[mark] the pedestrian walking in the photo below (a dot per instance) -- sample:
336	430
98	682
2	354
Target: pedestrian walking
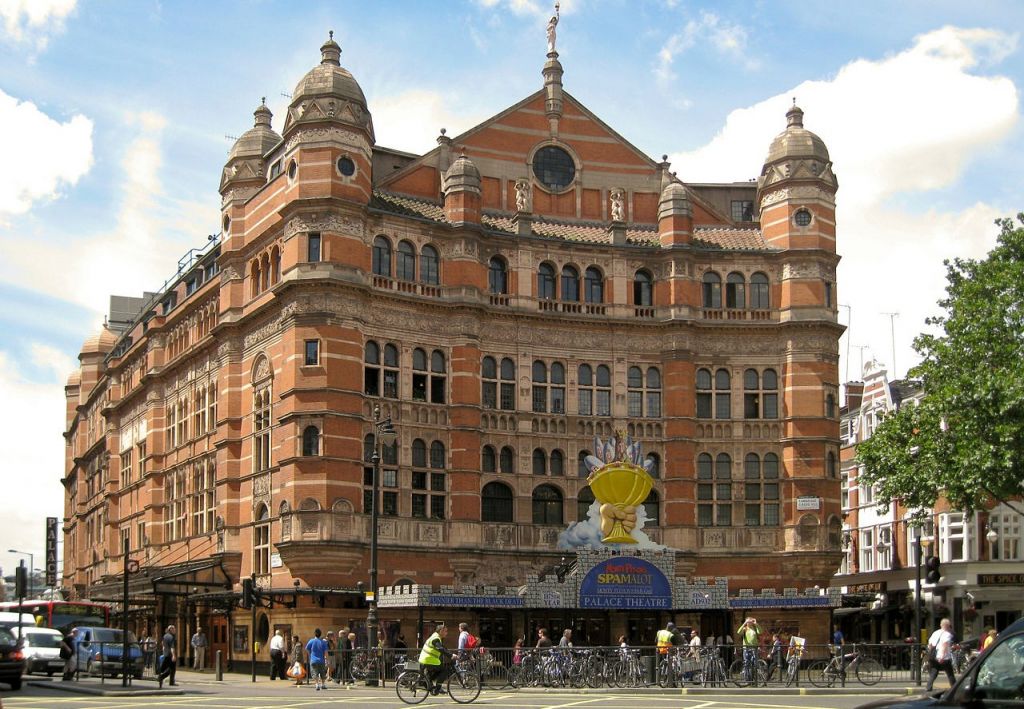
169	664
344	656
199	650
277	656
332	656
297	659
316	648
566	640
543	640
67	653
148	647
940	653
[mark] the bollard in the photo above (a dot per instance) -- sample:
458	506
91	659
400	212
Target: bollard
218	669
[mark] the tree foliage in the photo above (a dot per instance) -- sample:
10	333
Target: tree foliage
965	440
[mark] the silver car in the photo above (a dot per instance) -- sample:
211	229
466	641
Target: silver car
41	648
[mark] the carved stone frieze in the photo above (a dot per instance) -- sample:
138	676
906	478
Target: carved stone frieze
230	273
326	222
261	484
229	349
350	139
797	192
262	333
807	270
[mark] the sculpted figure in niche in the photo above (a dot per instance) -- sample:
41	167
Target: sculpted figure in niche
618	198
522	196
552	23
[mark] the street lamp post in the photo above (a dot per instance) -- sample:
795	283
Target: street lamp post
915	662
384	434
31	569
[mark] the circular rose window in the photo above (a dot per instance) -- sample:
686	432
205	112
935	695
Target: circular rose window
554	168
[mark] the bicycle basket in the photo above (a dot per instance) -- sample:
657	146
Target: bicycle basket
412	666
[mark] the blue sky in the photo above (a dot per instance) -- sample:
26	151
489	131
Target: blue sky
115	117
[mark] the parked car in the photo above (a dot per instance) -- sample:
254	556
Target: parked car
12	661
99	651
41	648
995	679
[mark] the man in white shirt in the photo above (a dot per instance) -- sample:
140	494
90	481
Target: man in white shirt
277	662
695	645
942	643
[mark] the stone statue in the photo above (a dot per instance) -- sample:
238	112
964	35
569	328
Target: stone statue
552	23
522	195
618	205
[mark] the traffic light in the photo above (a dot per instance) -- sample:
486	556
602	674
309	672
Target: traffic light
932	572
246	601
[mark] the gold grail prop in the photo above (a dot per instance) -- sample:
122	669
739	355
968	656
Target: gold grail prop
619	487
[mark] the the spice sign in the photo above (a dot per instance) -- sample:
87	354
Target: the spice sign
625	582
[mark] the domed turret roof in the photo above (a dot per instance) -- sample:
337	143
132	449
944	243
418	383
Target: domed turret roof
100	343
462	175
258	140
796	141
74	379
329	86
674	200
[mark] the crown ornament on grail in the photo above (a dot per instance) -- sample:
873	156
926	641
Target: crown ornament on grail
620	479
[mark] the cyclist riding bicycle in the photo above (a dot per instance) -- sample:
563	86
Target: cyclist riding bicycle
435	659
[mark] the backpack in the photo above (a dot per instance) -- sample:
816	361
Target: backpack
472	641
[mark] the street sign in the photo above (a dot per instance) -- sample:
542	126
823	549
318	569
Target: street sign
51	551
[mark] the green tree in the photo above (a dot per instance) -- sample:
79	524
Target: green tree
965	440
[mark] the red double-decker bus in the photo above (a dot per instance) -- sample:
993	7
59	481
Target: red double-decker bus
61	615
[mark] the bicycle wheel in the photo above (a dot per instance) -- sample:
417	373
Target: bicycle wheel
821	674
496	677
666	677
464	687
792	673
736	674
357	669
761	673
594	673
412	687
869	671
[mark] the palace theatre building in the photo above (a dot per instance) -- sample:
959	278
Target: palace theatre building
505	298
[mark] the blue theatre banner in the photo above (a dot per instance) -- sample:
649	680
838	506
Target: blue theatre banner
625	582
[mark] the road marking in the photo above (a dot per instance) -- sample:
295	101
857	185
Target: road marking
573	704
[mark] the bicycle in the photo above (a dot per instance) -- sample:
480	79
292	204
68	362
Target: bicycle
413	687
713	672
825	673
791	675
627	671
363	664
749	670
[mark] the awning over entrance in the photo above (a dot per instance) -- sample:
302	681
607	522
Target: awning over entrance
182	579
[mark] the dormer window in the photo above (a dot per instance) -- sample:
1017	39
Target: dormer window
275	169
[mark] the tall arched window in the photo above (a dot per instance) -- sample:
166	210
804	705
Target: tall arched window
419	453
761	490
371	369
390	371
651	508
735	291
540	462
723	395
430	266
584	499
705	409
714	490
643	288
830	465
540	389
496	503
489	384
437	457
488	460
381	257
656	467
497	276
310	441
506	460
593	290
507	391
557	462
557	388
712	287
570	284
581	464
546	282
830	406
405	262
759	299
261	541
547	505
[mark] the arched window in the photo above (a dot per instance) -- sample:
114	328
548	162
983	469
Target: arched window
723	395
584	499
704	394
653	393
593	282
540	389
643	288
570	284
705	467
735	291
546	282
381	257
390	371
507	391
506	460
430	266
368	442
497	276
489	385
371	369
656	467
714	490
261	541
488	463
419	453
770	466
557	462
769	394
496	503
830	406
437	455
712	284
557	388
830	465
761	490
581	464
405	262
651	508
540	462
310	441
547	505
759	292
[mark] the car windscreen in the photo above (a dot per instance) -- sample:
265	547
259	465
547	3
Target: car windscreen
110	635
43	639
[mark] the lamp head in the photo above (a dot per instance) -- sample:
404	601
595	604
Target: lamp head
991	535
387	432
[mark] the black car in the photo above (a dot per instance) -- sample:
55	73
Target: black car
996	679
12	661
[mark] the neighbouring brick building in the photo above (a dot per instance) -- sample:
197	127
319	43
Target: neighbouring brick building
518	290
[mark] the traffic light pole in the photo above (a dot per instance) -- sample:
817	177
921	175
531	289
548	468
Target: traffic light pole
252	627
915	661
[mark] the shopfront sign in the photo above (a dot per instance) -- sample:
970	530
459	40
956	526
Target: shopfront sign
470	601
627	583
781	602
51	551
1001	579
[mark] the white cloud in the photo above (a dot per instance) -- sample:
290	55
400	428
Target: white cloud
34	457
42	154
33	21
412	120
901	126
729	40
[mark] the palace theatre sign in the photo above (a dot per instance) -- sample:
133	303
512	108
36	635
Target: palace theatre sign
625	582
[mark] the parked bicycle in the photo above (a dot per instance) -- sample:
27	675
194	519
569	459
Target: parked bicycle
713	671
826	673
